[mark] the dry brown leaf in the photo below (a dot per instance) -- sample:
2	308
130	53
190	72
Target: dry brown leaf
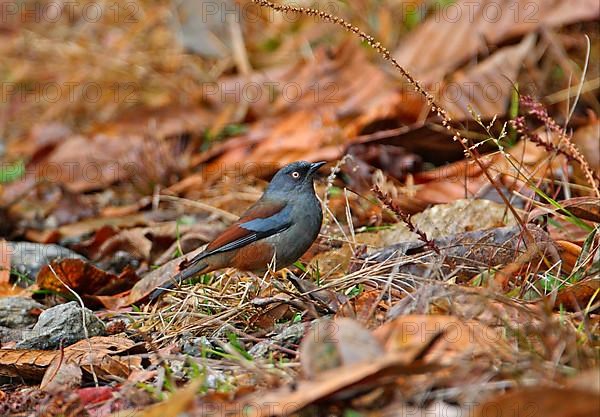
84	278
464	28
487	87
459	339
266	319
361	308
283	401
97	353
134	241
577	296
585	208
569	253
543	401
61	376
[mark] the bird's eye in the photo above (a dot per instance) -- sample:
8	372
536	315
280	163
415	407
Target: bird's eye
295	175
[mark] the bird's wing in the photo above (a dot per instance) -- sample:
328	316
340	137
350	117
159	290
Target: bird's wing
263	219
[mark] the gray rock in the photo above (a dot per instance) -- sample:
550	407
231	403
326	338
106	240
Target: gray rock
195	346
10	335
61	324
27	257
286	337
15	312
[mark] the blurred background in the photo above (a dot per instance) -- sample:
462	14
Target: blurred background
147	94
132	132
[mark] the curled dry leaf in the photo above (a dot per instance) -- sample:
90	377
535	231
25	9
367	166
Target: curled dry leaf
84	278
102	354
569	253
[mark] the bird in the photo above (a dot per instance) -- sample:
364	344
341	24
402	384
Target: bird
279	227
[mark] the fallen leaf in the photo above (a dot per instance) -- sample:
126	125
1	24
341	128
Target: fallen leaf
458	339
266	320
577	296
585	208
462	29
93	395
61	376
83	278
487	87
100	354
569	253
361	308
544	401
336	343
286	400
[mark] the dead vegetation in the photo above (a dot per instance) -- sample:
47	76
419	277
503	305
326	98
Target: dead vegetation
458	267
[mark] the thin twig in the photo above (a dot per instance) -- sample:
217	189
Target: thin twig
85	329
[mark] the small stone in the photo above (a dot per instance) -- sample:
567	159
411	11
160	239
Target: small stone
196	346
61	324
18	312
28	258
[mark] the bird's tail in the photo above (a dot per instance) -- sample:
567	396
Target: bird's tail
188	272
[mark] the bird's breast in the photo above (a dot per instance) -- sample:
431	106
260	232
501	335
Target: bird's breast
293	242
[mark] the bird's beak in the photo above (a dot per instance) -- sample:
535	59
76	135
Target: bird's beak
314	167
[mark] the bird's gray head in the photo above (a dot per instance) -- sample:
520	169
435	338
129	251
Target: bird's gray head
293	178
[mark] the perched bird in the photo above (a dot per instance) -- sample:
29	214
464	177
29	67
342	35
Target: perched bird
280	226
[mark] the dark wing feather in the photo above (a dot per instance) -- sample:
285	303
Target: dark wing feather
261	220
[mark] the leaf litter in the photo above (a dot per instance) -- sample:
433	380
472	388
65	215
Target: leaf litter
427	296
